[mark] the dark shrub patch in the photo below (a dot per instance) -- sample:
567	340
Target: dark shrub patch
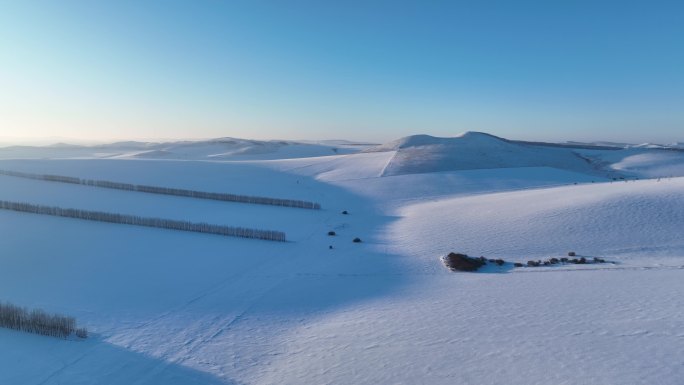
462	262
357	240
571	254
484	260
331	233
345	212
500	262
554	261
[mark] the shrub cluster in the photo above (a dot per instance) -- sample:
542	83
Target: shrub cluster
169	191
39	322
499	262
562	261
462	262
241	232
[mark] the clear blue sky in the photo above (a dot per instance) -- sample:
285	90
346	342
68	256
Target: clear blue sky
366	70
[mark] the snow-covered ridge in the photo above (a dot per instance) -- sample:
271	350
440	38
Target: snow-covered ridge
467	138
213	149
476	150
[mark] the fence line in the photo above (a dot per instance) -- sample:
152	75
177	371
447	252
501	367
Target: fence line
168	191
99	216
39	322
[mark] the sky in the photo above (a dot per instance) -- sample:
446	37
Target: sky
358	70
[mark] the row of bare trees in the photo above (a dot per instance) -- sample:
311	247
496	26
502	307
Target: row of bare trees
230	231
39	322
169	191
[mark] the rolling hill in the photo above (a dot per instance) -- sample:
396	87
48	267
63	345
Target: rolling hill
188	308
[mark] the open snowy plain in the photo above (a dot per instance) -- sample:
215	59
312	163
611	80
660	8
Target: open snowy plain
170	307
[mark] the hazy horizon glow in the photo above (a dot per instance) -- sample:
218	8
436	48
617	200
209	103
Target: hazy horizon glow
367	71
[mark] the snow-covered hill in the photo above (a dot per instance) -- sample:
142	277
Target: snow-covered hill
642	162
474	150
215	149
167	307
606	219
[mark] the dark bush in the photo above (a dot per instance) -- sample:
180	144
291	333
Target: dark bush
331	233
599	260
582	261
533	263
462	262
499	262
518	264
345	212
554	261
564	260
571	254
357	240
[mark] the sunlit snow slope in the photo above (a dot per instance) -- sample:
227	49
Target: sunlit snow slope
474	150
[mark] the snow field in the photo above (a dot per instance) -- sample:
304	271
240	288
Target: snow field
181	308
